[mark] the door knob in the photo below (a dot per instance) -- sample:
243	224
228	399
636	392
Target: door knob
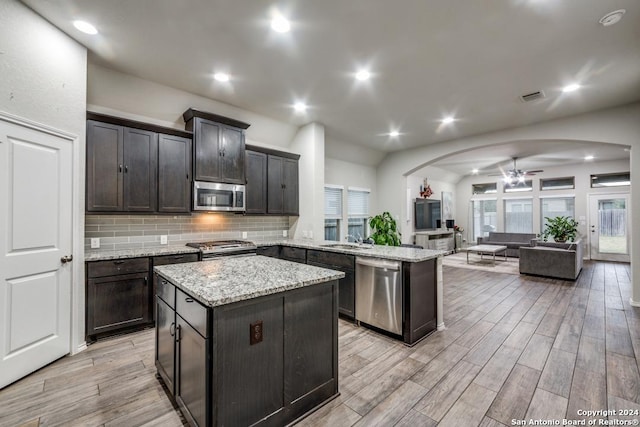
67	258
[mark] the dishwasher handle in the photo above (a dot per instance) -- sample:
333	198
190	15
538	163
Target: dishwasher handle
379	263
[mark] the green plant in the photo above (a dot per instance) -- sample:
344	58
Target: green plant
385	230
561	228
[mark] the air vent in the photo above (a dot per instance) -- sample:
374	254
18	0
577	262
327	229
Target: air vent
532	96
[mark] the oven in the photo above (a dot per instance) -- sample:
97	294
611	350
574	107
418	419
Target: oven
213	196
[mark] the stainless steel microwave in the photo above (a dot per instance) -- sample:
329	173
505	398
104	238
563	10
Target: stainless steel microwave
212	196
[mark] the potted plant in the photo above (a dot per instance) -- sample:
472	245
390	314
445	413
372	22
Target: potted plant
385	230
561	228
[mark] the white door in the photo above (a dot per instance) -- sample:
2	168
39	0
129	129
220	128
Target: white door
35	234
609	227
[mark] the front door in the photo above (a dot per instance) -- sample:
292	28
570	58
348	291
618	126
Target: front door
35	234
608	227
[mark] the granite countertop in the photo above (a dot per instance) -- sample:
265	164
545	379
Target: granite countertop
396	253
99	255
223	281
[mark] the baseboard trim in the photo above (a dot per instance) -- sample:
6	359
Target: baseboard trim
634	303
82	347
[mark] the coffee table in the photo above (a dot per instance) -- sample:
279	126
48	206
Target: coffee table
487	249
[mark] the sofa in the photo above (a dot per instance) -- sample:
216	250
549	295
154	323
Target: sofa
551	259
513	241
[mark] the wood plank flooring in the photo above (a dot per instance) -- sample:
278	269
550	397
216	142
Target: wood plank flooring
515	347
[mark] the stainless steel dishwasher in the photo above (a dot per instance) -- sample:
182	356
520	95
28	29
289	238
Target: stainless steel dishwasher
379	293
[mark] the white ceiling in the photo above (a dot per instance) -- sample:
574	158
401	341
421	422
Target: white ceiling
428	59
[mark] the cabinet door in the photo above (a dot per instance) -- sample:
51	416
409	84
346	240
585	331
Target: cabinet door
256	182
207	151
104	167
174	170
140	170
191	372
165	343
115	302
347	293
275	192
290	186
232	163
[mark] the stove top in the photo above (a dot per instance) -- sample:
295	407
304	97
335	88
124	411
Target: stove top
217	246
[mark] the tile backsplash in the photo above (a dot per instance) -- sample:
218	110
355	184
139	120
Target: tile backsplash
137	231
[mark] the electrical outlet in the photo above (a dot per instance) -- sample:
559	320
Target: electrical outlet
95	242
310	234
244	234
284	233
304	233
255	332
163	239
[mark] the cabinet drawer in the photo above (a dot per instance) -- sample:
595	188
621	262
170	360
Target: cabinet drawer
193	312
117	266
166	291
297	254
272	251
174	259
331	259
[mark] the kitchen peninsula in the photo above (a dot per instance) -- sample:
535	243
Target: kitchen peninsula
245	340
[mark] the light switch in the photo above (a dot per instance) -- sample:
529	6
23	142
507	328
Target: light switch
311	234
244	234
284	233
95	242
163	239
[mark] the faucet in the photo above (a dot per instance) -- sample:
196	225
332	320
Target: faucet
357	239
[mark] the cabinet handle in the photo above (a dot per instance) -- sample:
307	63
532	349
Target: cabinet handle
146	280
172	329
188	299
187	176
164	282
120	168
177	329
126	169
118	262
178	257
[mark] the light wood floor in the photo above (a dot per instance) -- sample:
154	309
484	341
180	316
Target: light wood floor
515	347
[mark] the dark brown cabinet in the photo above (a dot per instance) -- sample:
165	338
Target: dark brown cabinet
117	295
136	170
347	285
282	186
174	173
256	182
219	147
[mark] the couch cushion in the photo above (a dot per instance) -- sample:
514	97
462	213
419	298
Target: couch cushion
511	237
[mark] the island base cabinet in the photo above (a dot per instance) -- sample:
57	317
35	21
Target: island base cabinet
191	373
419	283
165	343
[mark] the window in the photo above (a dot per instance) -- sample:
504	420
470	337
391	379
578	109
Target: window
358	212
518	216
610	180
332	212
557	183
484	188
526	185
552	207
485	217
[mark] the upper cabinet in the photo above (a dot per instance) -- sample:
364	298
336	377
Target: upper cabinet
272	182
219	147
133	169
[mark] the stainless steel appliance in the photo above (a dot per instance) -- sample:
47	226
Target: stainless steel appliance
379	293
218	248
213	196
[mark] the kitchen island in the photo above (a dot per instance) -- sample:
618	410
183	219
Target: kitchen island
247	340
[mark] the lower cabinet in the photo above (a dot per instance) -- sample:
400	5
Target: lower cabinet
117	296
264	361
347	285
271	251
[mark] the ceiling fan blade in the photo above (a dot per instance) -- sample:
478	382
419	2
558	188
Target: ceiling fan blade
533	171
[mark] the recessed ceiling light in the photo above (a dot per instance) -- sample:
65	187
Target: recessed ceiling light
474	171
612	17
221	77
300	107
570	88
85	27
447	120
589	157
280	24
394	133
363	75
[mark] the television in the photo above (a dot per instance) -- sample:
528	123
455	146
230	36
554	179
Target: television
427	214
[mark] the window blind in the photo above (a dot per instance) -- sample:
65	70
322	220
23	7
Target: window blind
358	203
332	202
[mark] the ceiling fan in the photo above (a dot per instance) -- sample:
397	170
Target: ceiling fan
515	175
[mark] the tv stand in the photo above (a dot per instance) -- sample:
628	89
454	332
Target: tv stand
442	240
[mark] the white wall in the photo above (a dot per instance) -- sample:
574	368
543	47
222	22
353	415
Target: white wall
581	172
309	142
620	125
44	80
349	174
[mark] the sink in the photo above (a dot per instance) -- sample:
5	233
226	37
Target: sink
346	246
